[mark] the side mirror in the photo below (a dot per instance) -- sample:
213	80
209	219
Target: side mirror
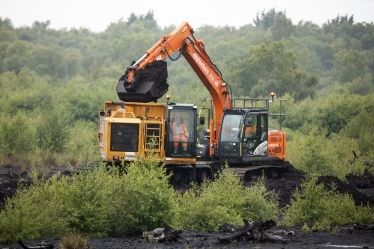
248	121
202	120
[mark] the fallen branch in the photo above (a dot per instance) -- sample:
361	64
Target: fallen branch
252	231
42	246
364	227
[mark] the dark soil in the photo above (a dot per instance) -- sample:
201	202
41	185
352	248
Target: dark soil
150	83
360	187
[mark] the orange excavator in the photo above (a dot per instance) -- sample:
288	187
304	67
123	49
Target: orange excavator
238	127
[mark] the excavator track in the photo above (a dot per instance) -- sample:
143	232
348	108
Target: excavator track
183	175
248	174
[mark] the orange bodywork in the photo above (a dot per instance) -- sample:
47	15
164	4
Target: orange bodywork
277	144
182	39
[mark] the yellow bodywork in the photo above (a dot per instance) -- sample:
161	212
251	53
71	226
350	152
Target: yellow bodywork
152	121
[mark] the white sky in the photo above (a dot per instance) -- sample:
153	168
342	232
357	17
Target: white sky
96	15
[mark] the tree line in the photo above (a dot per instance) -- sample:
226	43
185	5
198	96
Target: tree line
54	82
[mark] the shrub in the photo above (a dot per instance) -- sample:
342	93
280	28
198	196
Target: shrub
17	137
260	203
96	202
313	203
34	212
143	199
224	200
318	154
73	241
82	144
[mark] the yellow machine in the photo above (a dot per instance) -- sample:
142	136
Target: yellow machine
129	130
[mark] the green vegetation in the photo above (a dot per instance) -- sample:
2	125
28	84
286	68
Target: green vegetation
225	200
324	208
54	82
73	241
103	201
96	202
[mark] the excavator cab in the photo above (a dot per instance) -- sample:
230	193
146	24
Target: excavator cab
182	127
245	136
254	137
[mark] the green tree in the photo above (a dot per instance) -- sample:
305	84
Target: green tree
6	22
49	61
17	135
7	35
271	67
52	128
132	18
349	65
361	129
17	55
266	20
283	28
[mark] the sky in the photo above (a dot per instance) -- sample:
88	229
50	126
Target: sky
97	15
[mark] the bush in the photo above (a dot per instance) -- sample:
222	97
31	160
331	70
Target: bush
260	203
142	199
313	203
73	241
33	213
96	202
82	144
225	200
17	136
323	155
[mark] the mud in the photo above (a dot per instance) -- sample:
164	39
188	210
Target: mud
345	237
150	84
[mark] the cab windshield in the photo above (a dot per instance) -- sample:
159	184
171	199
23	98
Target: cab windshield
231	128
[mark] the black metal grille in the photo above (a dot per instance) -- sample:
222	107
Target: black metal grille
124	137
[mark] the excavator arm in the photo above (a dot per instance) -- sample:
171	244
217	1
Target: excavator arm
145	79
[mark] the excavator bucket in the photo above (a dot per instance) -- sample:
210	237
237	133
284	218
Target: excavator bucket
149	83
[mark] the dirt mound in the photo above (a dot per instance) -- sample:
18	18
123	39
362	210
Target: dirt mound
286	185
360	186
351	187
363	183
